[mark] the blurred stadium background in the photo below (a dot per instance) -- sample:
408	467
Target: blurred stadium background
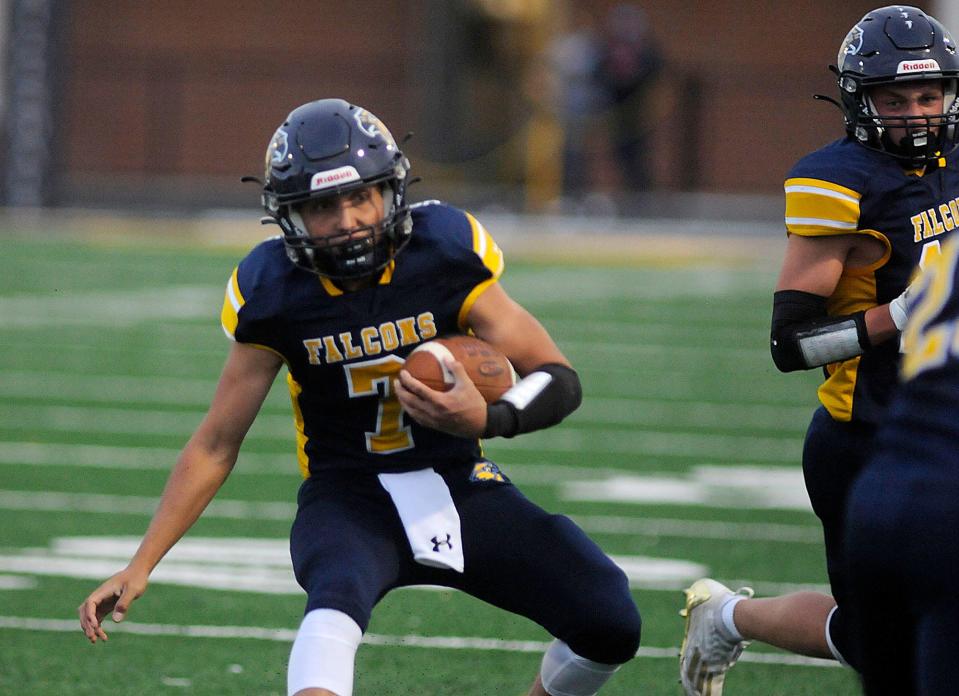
124	130
165	104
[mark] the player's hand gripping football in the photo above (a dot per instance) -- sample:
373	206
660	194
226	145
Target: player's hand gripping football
115	595
459	411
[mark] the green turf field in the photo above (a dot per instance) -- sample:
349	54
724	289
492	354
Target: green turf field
683	460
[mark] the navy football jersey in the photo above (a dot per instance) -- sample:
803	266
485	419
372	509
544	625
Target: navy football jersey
344	349
923	427
845	188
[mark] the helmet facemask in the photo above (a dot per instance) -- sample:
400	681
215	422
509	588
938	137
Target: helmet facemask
926	137
356	252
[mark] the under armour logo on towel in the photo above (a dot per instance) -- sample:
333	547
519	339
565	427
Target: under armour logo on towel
423	501
437	542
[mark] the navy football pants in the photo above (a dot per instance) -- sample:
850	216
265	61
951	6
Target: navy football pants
834	454
904	570
349	549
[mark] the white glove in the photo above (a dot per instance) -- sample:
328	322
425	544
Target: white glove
899	307
899	310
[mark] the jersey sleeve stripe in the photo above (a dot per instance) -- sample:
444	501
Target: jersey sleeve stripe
815	207
486	248
792	222
815	204
232	302
823	191
823	186
820	191
468	302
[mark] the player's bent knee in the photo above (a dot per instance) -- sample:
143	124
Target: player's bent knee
610	632
623	636
564	673
323	654
614	640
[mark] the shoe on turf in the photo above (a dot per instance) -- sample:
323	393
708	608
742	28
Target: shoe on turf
707	651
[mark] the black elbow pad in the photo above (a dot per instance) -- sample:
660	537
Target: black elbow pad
803	336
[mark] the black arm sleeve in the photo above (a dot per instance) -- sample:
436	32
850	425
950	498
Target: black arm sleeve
804	336
541	399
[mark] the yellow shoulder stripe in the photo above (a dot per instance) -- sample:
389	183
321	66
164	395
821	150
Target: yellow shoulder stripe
486	248
470	299
232	302
492	256
815	207
823	186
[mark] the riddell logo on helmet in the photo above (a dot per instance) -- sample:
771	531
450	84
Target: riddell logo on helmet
911	66
334	177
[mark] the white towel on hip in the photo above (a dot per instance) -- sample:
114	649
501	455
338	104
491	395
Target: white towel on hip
429	517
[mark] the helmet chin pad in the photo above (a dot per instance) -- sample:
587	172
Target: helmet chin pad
912	148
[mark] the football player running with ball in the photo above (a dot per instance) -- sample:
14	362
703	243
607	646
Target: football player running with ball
861	214
358	279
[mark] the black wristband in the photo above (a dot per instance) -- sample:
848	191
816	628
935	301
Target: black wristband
543	398
501	420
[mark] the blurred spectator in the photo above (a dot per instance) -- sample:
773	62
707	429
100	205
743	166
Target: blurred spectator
575	57
628	68
603	71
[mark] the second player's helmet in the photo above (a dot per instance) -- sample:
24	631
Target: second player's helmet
892	45
326	148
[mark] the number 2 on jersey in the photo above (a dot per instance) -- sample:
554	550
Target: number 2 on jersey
927	344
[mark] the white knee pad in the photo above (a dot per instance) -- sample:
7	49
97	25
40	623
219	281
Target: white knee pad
564	673
323	653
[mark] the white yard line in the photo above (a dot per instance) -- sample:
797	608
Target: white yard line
262	565
645	443
633	442
110	308
197	393
286	635
732	358
114	388
132	458
700	529
638	525
50	501
127	421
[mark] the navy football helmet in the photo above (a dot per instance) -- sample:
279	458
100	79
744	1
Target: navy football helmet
892	45
327	148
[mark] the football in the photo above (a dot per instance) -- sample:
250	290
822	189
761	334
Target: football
489	369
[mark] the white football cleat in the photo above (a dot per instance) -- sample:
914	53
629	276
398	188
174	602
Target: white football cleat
707	651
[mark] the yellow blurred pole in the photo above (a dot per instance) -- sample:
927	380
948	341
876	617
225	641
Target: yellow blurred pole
544	160
544	133
541	145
